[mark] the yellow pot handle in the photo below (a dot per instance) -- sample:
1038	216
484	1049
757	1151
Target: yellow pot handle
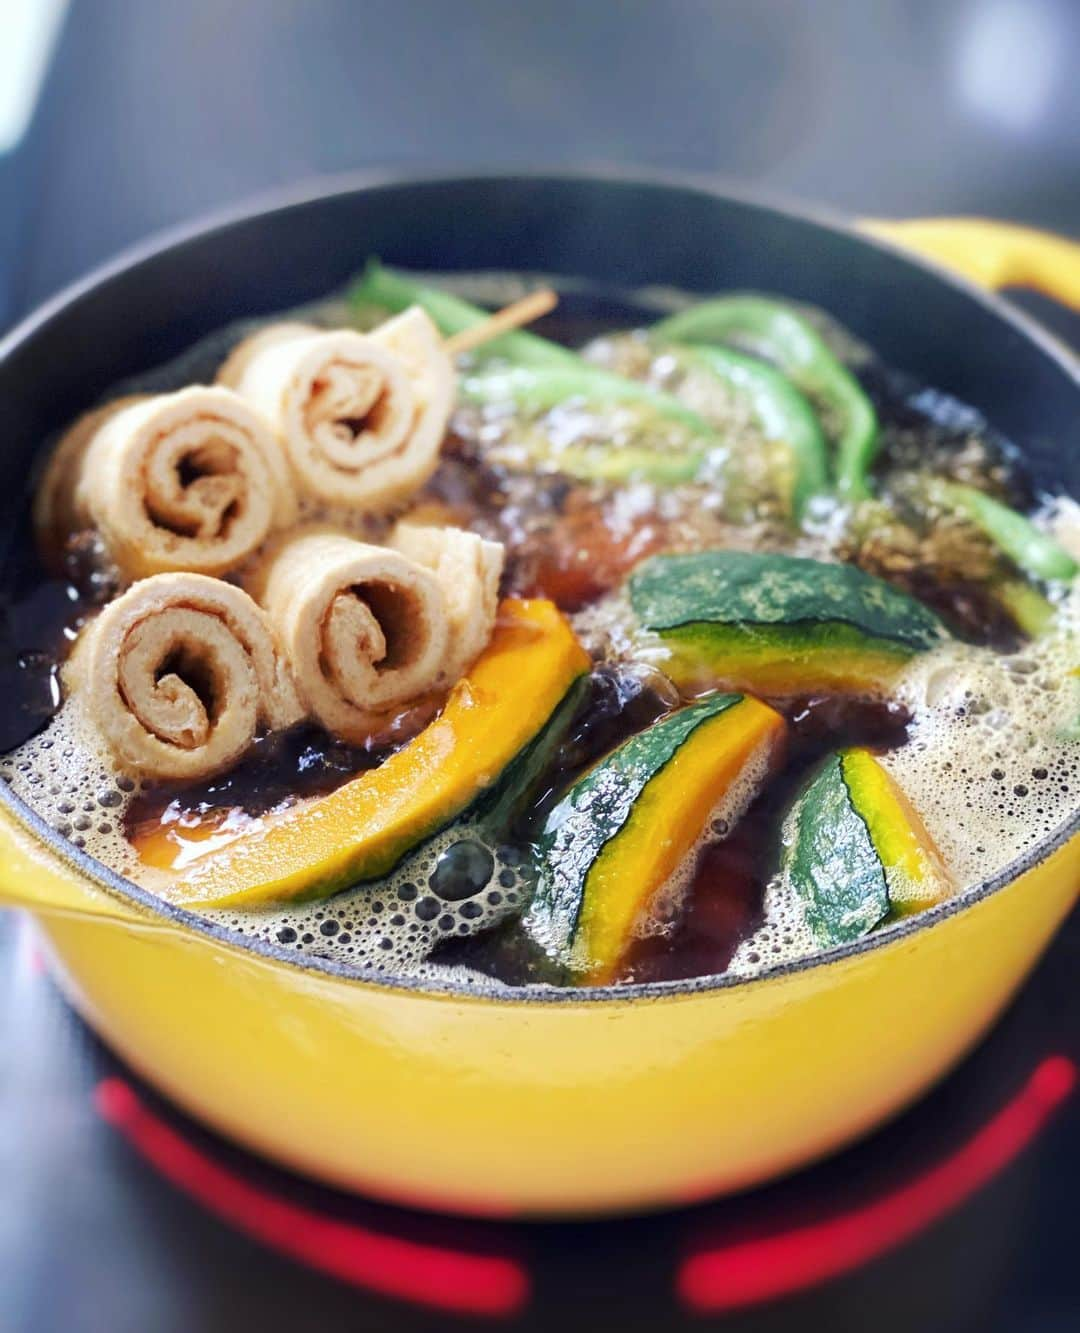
993	254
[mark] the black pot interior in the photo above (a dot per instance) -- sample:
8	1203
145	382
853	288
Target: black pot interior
621	232
618	232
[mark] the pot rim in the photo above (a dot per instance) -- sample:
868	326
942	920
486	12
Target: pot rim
312	190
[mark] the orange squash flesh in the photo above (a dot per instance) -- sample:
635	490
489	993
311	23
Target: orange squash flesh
915	874
362	830
668	819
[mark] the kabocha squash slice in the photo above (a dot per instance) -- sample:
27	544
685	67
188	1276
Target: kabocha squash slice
620	833
856	853
777	624
469	758
914	872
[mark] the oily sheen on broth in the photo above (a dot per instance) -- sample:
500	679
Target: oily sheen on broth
979	732
390	927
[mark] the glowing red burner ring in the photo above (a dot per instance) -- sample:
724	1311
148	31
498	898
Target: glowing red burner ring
755	1271
430	1275
713	1280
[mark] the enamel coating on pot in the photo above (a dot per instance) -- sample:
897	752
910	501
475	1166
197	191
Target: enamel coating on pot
573	1104
508	1107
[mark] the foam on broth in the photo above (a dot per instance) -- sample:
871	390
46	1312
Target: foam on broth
992	764
390	926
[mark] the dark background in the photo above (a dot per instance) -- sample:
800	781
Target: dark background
155	111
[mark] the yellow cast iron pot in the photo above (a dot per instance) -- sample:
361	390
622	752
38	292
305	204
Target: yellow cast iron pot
573	1103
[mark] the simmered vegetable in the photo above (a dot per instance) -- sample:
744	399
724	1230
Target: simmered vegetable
539	389
1029	548
914	872
791	342
779	410
1027	606
535	375
856	853
777	624
830	862
459	789
392	290
613	842
475	758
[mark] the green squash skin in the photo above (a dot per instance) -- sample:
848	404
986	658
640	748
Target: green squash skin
593	812
490	813
829	861
739	588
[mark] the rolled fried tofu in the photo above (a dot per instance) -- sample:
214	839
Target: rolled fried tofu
57	514
468	569
365	630
361	417
193	480
178	674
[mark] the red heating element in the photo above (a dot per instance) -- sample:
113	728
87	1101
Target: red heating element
754	1271
448	1279
711	1280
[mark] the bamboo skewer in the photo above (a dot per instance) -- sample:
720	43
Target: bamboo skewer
512	316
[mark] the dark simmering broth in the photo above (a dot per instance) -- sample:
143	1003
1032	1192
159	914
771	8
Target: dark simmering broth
954	760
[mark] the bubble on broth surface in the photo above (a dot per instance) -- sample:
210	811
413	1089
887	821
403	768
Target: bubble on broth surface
66	777
992	766
782	937
1063	520
992	762
391	925
455	884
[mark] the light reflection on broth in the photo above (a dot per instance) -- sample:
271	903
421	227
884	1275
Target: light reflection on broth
980	732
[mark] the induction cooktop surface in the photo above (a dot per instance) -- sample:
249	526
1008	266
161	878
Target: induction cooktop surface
119	1213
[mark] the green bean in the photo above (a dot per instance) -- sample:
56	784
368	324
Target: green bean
541	388
779	409
1027	606
393	290
542	374
792	343
1029	548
